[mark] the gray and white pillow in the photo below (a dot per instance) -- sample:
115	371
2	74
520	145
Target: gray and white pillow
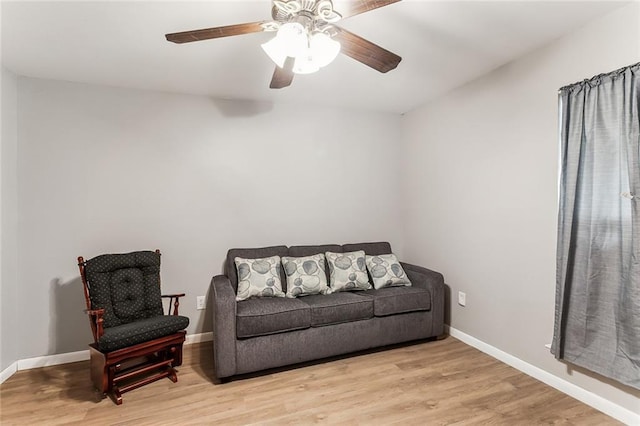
305	275
258	278
386	271
347	271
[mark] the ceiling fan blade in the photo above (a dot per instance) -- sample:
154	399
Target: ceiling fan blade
216	32
364	51
282	77
356	7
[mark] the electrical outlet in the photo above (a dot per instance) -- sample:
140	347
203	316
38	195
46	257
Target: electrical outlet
200	302
462	298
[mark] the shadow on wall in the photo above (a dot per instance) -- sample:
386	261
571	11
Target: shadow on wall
447	304
202	354
204	321
241	108
69	328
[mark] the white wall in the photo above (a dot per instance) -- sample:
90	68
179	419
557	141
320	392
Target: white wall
112	170
9	334
480	194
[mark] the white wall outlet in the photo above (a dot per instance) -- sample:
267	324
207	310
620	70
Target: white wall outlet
200	302
462	298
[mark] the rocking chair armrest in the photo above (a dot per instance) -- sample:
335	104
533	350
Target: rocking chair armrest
97	322
171	297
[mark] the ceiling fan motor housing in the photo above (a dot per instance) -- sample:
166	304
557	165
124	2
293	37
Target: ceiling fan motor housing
318	10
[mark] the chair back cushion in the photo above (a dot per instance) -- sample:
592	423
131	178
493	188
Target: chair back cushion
126	286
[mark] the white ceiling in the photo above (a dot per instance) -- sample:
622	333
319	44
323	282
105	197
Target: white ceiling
444	44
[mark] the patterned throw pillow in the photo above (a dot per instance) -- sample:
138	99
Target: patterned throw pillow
305	275
258	278
347	271
386	271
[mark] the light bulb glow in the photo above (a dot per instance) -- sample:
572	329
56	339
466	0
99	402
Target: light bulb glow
324	49
305	64
294	37
311	52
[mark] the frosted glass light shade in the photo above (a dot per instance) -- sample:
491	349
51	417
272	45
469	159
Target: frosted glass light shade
276	50
291	40
324	49
305	64
294	37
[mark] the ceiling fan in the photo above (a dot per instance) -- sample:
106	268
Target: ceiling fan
307	37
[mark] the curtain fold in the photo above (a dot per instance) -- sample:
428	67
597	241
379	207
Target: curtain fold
597	315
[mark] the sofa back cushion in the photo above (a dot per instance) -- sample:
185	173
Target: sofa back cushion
372	249
253	253
302	251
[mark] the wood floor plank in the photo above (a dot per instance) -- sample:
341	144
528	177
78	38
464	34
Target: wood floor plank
443	382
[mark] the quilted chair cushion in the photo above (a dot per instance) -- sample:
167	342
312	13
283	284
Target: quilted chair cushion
126	286
130	334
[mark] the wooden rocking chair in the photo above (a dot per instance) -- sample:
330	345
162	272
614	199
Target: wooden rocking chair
135	343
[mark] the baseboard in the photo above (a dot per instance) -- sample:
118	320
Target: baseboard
48	360
65	358
599	403
198	338
8	372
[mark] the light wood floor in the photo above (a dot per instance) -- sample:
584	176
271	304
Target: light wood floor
440	382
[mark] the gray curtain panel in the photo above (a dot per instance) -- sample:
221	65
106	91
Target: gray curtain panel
597	320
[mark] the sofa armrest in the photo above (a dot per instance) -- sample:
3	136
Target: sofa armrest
434	282
224	326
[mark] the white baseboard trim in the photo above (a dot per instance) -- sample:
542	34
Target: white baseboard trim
599	403
199	338
48	360
8	372
65	358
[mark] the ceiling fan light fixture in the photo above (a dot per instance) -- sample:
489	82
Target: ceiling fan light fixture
324	10
305	64
323	49
276	50
294	38
289	7
290	41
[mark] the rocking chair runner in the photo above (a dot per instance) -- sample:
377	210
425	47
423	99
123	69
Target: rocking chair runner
134	342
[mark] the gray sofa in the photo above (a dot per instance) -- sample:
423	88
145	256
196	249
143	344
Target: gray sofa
261	333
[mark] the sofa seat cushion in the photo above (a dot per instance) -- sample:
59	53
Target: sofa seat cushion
398	300
140	331
337	308
262	316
